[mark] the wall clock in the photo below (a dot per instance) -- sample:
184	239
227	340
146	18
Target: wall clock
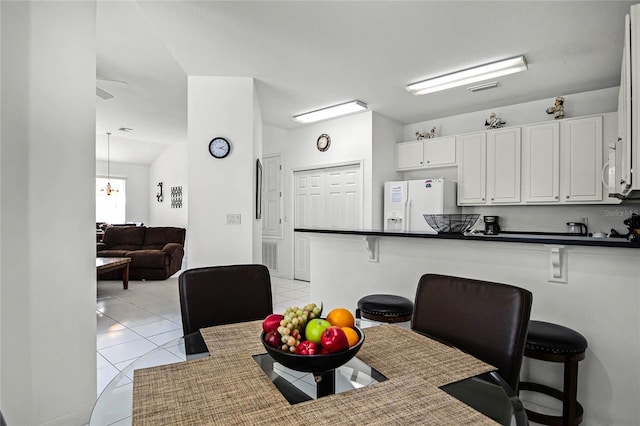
219	147
323	142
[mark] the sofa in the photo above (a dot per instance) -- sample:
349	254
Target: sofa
156	252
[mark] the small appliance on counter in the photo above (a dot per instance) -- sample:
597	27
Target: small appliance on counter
577	228
491	226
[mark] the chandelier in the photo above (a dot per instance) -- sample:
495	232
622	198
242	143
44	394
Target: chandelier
108	190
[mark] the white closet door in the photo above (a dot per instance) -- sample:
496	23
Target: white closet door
325	198
271	197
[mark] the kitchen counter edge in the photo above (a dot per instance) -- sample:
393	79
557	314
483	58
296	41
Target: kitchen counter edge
509	238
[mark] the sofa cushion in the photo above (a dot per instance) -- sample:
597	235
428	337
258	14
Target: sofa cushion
148	259
157	237
113	253
124	238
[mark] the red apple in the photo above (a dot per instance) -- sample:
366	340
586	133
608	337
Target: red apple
272	322
272	338
334	339
306	348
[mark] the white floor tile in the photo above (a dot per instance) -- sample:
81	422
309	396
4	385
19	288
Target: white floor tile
127	351
132	322
117	337
155	328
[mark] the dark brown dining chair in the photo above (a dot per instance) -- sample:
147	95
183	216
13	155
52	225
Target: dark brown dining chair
485	319
220	295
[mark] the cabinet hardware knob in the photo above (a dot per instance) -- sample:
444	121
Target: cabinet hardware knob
492	198
556	197
567	197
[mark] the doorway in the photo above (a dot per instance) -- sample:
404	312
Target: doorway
324	198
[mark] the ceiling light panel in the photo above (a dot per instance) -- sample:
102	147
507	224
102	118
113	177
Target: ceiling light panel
469	76
331	112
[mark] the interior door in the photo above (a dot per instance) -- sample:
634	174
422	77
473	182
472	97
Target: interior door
324	198
309	205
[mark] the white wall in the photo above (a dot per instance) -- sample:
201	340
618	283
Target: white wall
221	106
385	131
601	300
575	105
350	143
170	168
47	187
138	191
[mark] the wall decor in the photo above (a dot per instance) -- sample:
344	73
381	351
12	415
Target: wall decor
494	122
176	197
323	143
159	195
219	147
258	189
557	109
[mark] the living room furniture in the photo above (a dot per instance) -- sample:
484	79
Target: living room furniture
222	295
109	264
486	319
387	308
556	343
233	386
156	252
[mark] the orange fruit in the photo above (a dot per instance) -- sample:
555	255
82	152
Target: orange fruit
341	317
352	336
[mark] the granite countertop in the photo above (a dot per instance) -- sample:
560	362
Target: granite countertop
513	237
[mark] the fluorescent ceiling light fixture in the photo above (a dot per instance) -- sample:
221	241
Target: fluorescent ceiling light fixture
468	76
330	112
483	86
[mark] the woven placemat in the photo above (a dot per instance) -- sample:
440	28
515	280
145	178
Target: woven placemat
230	388
435	362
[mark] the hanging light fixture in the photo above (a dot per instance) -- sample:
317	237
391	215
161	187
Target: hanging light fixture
108	190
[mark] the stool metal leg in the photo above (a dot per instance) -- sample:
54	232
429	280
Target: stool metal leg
570	400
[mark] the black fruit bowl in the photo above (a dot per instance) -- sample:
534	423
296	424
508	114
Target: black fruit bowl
313	363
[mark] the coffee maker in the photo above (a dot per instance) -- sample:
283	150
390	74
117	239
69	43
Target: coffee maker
491	226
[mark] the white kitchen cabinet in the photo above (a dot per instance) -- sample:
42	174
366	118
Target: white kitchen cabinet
426	153
581	159
541	163
472	171
409	155
503	165
440	151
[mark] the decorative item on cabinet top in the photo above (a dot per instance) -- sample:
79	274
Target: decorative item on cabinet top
494	122
426	135
557	109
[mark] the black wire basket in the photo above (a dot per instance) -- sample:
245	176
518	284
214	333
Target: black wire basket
451	223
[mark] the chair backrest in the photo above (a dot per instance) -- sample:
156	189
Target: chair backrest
485	319
223	295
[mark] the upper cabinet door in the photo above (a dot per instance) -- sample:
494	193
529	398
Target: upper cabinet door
581	159
503	165
472	172
541	163
409	155
440	151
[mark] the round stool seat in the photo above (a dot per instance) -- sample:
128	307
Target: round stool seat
554	338
385	308
556	343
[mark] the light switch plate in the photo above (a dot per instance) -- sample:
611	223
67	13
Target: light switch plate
233	219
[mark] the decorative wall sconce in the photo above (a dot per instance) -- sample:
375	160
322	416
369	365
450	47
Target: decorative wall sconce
159	194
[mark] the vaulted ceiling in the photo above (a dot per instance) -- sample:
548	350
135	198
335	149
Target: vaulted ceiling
306	55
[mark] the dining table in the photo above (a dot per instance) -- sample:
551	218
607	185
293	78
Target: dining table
397	377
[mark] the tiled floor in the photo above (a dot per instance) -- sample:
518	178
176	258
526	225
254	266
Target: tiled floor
133	322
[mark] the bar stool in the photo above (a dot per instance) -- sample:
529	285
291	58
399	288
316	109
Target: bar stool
555	343
385	308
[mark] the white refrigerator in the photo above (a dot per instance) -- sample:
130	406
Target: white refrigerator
406	201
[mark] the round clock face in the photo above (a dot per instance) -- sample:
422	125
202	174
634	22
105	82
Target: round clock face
219	147
323	142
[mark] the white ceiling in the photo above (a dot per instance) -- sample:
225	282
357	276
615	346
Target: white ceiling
307	55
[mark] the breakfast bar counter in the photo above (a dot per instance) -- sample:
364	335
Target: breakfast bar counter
591	285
